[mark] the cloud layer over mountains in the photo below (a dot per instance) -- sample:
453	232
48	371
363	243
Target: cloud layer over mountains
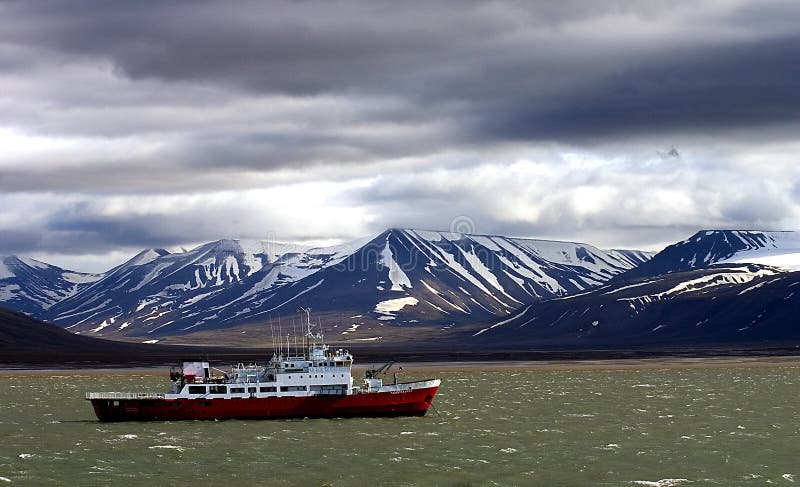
127	125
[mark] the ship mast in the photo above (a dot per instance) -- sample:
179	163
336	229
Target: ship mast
313	337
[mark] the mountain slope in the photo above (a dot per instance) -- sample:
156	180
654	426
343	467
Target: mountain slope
718	286
33	287
26	341
707	247
720	304
397	277
25	335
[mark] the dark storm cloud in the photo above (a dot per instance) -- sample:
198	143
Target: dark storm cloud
81	229
19	240
749	84
535	70
405	113
84	227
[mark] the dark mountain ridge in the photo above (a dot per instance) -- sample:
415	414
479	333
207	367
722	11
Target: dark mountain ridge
399	277
708	247
717	287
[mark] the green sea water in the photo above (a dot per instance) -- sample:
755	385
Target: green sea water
687	427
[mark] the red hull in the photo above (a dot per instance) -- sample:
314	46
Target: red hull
398	403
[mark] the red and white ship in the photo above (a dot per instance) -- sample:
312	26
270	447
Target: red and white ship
318	384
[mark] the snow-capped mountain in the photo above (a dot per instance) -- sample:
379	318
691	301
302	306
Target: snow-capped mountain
398	277
156	283
32	287
778	249
721	304
718	285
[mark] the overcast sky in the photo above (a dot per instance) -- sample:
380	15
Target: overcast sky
126	125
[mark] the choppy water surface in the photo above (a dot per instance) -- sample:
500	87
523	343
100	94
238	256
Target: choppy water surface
736	426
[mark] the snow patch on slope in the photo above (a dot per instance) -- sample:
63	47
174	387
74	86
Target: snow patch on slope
7	292
152	275
5	272
144	257
741	276
396	274
509	320
475	262
394	305
76	278
430	288
33	263
310	288
529	268
728	277
780	249
105	324
777	249
195	299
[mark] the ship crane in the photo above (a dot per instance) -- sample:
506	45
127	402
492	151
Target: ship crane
383	369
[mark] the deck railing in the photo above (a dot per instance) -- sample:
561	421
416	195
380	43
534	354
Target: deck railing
123	395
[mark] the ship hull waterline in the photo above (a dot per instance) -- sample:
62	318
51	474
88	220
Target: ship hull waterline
413	402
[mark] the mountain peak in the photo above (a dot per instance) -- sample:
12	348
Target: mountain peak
449	277
739	232
32	287
5	271
10	262
145	257
222	245
708	247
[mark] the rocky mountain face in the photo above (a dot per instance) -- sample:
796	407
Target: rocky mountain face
716	287
33	287
780	249
737	287
400	277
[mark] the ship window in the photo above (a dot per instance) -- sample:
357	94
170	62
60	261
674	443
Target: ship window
237	390
197	389
293	388
217	389
251	389
268	389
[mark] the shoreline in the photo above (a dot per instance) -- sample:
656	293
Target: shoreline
607	365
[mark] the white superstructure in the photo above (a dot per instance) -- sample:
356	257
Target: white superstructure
319	371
